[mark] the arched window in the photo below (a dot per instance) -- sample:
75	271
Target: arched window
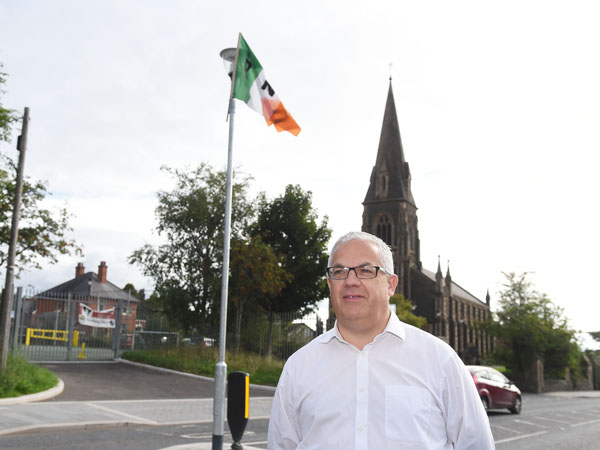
384	229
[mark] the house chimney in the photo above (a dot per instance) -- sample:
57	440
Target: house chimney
102	271
79	270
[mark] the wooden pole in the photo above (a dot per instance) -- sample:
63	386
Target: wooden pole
12	248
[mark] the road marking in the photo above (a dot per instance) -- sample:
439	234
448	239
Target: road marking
551	420
208	435
504	428
585	423
502	441
585	412
114	411
529	423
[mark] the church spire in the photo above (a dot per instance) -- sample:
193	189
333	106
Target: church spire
390	178
389	210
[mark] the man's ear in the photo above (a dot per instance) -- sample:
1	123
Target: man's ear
392	283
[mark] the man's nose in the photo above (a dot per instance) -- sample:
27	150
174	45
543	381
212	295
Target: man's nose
352	278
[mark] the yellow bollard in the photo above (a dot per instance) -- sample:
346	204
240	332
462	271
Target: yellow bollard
82	353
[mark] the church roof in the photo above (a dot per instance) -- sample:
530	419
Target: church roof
456	289
390	158
88	285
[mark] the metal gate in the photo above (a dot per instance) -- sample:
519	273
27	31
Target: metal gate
50	328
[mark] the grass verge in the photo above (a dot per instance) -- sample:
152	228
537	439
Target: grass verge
22	378
202	361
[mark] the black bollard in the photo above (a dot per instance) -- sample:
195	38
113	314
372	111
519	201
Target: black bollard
238	397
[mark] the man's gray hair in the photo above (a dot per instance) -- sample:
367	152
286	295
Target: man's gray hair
387	260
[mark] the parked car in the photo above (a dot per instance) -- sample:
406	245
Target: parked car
496	391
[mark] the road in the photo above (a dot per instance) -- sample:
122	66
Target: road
547	422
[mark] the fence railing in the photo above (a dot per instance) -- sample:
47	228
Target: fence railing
49	327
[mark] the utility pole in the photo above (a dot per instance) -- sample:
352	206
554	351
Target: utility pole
12	248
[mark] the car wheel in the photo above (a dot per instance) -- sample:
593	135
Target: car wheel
486	403
517	406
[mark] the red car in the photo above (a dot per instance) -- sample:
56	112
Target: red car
496	391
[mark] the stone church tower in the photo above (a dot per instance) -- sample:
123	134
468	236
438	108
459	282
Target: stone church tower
390	211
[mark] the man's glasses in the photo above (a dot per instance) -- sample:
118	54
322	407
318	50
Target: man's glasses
362	272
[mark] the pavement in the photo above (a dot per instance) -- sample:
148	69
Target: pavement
120	393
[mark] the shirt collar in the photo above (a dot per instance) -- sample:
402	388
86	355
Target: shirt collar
394	326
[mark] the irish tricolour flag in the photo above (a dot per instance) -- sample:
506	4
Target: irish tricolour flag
251	86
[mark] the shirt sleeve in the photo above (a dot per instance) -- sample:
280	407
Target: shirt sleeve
467	424
283	433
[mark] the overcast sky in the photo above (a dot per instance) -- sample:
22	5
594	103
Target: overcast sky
498	106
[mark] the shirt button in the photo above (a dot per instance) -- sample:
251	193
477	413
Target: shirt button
362	389
362	354
361	428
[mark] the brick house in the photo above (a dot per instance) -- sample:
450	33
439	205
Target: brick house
90	288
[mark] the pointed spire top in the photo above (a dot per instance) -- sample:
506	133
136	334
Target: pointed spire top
439	269
390	164
448	271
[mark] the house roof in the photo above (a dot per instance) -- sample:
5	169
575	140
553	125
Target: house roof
88	285
457	290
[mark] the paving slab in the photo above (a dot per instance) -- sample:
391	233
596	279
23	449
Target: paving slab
82	415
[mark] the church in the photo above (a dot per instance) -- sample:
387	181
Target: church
390	212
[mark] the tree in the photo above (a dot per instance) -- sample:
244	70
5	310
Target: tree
256	274
187	268
42	233
140	295
595	335
7	116
528	325
404	311
289	225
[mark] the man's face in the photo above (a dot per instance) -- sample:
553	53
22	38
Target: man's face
361	304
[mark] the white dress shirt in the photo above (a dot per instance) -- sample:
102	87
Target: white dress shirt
405	390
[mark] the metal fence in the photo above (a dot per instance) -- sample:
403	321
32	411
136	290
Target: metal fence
49	328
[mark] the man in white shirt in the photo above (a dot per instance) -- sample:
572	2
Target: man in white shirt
373	382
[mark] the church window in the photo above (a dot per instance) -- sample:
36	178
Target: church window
382	185
384	230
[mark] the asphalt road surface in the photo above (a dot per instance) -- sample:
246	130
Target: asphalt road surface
547	422
124	381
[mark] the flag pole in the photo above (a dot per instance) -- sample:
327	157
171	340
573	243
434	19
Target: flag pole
221	367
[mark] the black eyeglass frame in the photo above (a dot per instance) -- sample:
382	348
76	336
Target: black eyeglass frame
377	269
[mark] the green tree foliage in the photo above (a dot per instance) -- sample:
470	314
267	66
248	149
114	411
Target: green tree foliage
7	116
595	335
528	325
404	311
187	268
256	275
42	233
140	295
289	225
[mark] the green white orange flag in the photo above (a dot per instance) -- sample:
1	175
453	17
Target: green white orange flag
251	86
